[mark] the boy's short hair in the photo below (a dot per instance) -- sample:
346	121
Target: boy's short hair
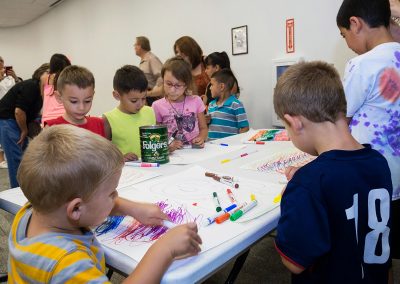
75	75
313	90
65	162
129	78
143	42
375	13
226	77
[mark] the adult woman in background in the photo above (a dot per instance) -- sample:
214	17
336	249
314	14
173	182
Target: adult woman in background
190	51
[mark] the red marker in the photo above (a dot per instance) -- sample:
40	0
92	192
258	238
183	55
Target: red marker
231	196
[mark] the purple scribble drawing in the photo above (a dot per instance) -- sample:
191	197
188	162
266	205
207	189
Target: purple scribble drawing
127	229
281	162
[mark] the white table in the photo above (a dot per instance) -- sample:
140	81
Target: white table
197	268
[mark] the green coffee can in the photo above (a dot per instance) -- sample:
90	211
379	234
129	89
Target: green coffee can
154	144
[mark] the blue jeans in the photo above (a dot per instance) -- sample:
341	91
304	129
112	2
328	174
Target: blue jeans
9	136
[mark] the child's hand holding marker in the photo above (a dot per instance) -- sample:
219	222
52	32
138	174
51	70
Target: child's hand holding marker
181	240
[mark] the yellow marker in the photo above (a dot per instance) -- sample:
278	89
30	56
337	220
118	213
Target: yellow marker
225	161
277	198
252	197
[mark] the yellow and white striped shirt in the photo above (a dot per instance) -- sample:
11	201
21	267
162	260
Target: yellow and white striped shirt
53	257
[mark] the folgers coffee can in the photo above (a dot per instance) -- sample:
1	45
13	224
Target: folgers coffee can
154	144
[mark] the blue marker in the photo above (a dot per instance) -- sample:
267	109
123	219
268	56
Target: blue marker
210	220
223	144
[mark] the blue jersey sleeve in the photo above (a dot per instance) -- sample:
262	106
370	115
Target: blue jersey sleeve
303	229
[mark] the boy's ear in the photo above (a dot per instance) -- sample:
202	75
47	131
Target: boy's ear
218	67
116	95
356	24
74	209
294	122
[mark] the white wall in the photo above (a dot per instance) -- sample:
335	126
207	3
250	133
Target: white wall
99	34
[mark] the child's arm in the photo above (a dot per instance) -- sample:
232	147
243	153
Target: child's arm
201	138
292	267
145	213
244	129
107	128
179	242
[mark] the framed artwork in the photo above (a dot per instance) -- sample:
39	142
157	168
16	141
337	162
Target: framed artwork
279	66
239	40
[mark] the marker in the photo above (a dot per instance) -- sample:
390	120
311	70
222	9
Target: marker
243	211
223	144
224	217
225	179
211	219
240	156
254	142
172	138
192	146
230	195
227	182
142	165
252	197
169	224
216	202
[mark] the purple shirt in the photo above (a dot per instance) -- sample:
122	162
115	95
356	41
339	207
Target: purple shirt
180	116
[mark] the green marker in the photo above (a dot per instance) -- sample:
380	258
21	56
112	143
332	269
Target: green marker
242	211
216	202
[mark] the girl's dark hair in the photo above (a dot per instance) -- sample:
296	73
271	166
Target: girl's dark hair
57	64
218	58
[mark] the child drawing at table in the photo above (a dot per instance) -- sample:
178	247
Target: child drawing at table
335	222
69	176
179	110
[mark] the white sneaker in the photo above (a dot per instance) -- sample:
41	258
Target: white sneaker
3	165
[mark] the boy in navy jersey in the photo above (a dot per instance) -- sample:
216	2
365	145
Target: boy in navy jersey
335	212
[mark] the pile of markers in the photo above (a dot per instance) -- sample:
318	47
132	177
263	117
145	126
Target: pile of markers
232	212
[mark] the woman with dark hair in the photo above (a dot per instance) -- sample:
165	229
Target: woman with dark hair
214	62
48	86
187	48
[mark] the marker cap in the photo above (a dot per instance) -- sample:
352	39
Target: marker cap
236	215
222	218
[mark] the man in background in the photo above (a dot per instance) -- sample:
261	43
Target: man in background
151	67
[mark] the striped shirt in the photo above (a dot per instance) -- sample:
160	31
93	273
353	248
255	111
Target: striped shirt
226	120
53	257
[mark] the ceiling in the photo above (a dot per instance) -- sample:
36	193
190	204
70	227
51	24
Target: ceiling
15	13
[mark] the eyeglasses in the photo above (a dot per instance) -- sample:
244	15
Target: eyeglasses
171	85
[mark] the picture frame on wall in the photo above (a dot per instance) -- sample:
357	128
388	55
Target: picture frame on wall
239	40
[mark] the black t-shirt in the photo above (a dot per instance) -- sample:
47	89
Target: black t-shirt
335	218
24	95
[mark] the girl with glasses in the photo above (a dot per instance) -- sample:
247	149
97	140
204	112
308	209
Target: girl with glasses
179	110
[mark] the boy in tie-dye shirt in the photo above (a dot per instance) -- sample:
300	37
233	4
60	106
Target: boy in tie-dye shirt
372	87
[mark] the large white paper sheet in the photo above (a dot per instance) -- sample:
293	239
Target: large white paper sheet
187	197
192	156
132	175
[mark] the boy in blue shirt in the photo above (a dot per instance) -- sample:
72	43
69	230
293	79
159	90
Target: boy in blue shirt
335	212
372	87
227	114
